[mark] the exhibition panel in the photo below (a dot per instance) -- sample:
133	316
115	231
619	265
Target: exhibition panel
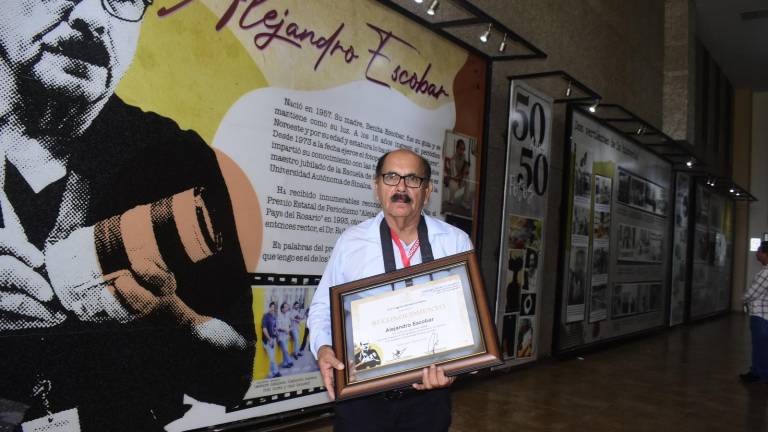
529	139
310	94
614	262
679	281
712	253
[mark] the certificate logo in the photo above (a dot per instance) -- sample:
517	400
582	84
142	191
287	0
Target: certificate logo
367	355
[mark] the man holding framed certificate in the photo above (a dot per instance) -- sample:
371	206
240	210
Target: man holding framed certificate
398	237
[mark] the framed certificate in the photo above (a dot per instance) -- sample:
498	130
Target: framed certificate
386	328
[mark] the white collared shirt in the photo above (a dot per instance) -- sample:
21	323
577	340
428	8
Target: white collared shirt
358	254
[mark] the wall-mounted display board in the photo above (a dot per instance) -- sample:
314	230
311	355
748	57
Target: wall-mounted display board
678	286
614	262
529	137
160	156
712	253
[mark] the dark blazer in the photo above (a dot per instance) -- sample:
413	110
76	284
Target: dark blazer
133	376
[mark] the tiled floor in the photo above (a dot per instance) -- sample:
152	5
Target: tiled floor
684	379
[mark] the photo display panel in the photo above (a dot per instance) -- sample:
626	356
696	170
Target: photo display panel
683	209
525	197
616	244
712	253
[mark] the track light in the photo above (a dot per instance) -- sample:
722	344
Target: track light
593	107
486	33
690	163
503	44
738	193
433	7
569	90
732	190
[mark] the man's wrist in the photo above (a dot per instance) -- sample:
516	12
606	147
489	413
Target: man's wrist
182	313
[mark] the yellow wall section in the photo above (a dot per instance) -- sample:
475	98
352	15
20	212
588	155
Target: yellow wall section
185	70
261	361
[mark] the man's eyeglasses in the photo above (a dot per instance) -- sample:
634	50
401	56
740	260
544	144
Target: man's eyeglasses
411	180
126	10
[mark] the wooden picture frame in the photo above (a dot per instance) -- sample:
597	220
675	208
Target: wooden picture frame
387	327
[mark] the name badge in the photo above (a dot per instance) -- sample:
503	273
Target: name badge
64	421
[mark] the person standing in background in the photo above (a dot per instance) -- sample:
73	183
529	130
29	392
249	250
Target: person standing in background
269	337
756	302
283	330
297	316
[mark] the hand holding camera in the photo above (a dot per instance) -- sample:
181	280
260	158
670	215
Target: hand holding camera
116	270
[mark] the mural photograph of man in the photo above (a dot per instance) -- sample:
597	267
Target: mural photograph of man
123	284
399	236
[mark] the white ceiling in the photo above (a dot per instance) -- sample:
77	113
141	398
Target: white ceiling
739	46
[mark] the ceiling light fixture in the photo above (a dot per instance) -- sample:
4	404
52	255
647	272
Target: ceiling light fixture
503	44
569	90
593	107
690	163
433	7
486	33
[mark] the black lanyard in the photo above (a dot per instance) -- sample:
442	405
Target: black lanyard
388	252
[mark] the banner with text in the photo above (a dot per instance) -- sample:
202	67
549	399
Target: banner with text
529	136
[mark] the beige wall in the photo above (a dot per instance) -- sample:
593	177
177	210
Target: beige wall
618	51
742	148
679	74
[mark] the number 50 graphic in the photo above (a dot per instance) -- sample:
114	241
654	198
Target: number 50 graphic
528	125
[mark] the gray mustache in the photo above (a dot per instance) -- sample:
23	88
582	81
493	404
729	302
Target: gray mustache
400	197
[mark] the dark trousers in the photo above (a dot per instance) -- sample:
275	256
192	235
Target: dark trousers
304	340
759	329
417	411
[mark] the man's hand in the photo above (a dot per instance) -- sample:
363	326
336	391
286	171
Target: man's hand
327	362
23	291
140	301
143	298
433	378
